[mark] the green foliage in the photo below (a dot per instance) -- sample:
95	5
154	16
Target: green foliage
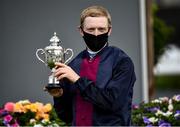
51	64
162	34
54	118
24	118
167	81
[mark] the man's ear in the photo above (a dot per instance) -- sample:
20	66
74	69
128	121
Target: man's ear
110	30
80	30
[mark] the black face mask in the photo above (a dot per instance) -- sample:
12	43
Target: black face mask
95	43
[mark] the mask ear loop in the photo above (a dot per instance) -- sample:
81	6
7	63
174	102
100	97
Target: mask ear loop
80	27
109	28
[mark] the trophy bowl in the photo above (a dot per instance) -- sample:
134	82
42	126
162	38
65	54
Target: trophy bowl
54	53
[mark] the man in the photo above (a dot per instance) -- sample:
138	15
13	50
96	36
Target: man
97	86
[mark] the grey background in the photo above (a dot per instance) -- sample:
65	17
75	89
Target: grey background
26	25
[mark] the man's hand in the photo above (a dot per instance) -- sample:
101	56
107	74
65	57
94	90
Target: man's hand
64	71
56	92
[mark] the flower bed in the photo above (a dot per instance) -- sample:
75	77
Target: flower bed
161	112
25	113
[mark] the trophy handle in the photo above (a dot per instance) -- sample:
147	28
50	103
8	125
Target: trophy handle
66	52
42	52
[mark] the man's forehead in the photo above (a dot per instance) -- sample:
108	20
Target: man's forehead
95	22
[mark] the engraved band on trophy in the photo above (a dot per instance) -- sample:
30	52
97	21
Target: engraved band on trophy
54	53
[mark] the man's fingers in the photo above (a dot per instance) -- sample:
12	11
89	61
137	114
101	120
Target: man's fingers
56	92
59	71
61	76
58	64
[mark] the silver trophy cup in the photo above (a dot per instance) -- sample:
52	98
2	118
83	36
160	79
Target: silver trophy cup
54	53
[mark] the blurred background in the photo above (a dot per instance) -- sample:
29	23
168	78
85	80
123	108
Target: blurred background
26	25
164	22
147	30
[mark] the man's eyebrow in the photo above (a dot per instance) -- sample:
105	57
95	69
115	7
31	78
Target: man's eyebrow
96	27
102	27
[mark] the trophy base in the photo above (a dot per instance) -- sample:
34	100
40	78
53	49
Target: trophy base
53	86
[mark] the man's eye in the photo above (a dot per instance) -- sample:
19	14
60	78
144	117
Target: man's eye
102	29
90	29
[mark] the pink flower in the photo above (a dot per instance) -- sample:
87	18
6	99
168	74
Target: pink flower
8	118
9	106
15	124
135	106
1	111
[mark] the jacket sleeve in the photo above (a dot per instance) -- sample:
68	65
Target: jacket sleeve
117	92
63	106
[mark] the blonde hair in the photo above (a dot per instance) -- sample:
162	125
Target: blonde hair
95	11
